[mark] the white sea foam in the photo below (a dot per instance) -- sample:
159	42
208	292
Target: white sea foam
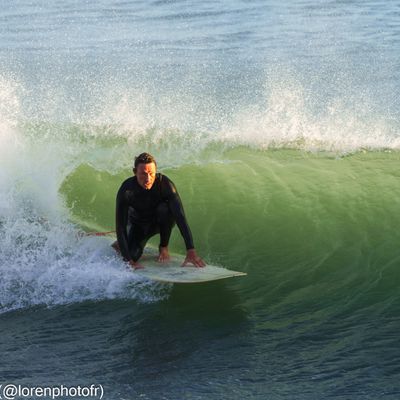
46	264
43	260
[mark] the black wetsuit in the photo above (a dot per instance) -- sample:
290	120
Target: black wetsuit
141	213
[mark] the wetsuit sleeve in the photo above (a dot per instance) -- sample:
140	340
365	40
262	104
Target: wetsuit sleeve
121	221
176	207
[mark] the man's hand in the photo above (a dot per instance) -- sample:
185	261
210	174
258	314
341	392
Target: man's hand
163	255
135	264
193	258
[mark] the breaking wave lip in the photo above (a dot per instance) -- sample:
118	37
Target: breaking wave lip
178	127
284	121
188	123
111	149
283	115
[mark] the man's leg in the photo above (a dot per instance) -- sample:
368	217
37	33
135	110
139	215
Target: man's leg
138	236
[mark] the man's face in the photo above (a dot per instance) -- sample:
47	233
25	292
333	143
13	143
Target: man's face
146	175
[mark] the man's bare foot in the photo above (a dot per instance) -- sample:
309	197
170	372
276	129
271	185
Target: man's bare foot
163	255
115	246
135	265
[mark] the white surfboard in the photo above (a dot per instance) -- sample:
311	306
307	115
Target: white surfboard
172	272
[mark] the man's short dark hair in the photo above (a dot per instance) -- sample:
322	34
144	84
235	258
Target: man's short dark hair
144	158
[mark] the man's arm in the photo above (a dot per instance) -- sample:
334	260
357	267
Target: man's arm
176	207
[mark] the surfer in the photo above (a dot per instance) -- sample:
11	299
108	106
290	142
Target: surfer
147	204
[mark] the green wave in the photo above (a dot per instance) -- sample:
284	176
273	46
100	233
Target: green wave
306	227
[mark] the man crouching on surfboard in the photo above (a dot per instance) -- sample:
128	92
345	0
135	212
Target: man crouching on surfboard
148	203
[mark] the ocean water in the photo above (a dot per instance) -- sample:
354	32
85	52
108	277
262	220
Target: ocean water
279	123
